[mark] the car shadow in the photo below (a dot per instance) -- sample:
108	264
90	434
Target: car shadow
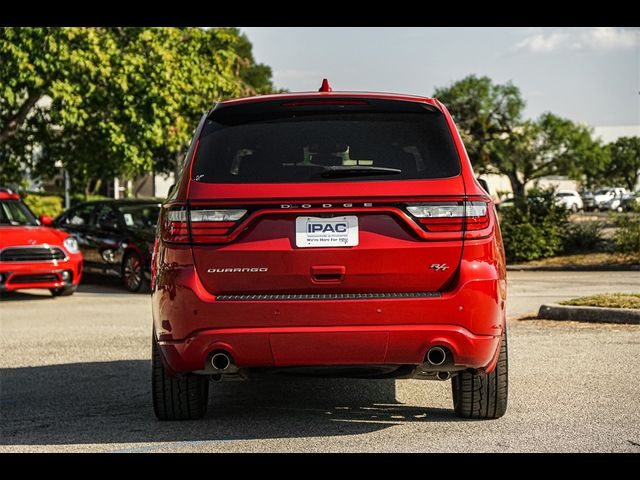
22	295
90	283
107	284
110	402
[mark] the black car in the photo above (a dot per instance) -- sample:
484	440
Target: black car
115	236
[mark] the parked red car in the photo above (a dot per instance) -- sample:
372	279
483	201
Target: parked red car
33	255
338	234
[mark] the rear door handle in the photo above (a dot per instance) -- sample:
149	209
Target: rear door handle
328	273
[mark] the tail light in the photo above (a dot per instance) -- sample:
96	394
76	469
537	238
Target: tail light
453	216
209	225
201	225
174	225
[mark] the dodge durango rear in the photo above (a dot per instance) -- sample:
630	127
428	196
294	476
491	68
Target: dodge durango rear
334	234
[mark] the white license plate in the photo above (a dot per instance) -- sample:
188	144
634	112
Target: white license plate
327	232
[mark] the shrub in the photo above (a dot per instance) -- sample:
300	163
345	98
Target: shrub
535	227
627	237
81	197
583	237
51	205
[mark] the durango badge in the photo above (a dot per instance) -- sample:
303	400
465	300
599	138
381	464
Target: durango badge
238	270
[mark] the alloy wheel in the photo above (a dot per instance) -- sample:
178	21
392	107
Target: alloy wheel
133	272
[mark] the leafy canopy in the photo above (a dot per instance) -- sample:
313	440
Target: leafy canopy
499	140
624	162
113	101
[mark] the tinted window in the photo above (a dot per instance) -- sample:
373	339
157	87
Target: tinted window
298	147
79	216
106	217
139	216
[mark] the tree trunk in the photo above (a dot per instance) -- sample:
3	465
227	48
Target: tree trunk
631	181
97	186
517	186
88	190
14	124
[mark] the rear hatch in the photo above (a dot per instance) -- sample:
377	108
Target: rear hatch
325	198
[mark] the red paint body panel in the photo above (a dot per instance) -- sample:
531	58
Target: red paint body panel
393	255
22	235
286	97
381	237
9	196
308	191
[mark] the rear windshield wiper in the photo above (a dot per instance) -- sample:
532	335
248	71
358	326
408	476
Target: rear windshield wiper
356	171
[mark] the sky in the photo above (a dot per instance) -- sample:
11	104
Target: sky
587	74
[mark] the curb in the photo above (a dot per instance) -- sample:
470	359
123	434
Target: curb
589	314
574	268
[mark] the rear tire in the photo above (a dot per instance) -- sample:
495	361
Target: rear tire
183	398
63	291
483	396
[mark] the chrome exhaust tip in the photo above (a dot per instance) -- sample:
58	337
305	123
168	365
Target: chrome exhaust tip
220	361
443	375
436	356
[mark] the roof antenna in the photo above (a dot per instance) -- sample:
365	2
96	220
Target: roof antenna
325	87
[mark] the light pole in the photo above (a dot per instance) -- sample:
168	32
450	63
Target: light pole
67	190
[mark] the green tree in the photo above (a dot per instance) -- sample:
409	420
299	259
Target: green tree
36	63
499	140
256	76
485	114
624	164
548	145
122	101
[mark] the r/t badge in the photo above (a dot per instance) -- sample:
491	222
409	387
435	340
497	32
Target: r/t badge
439	267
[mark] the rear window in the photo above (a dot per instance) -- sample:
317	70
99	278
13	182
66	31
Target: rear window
299	146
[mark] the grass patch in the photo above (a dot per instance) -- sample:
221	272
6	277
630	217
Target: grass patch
608	300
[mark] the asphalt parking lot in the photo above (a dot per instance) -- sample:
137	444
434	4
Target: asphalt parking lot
75	376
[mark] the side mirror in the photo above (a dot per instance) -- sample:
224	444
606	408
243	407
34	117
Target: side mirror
484	184
45	220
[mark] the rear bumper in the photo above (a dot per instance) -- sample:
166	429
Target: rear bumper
23	275
313	346
468	318
190	323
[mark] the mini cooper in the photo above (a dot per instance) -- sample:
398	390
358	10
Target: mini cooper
32	253
334	234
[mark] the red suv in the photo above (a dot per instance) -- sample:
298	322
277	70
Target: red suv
336	234
33	255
